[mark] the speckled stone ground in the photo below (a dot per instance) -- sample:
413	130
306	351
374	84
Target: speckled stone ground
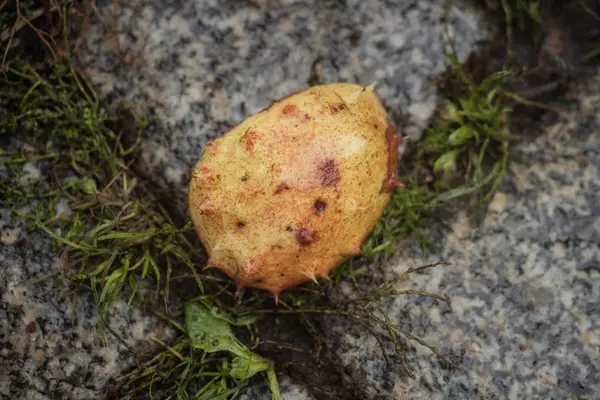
201	67
524	284
49	344
198	68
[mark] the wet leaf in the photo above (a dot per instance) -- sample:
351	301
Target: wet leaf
209	330
245	368
210	333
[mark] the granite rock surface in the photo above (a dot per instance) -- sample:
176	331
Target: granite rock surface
49	343
198	68
201	67
524	283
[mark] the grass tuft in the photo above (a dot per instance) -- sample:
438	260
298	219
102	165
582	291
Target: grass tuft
194	366
404	215
113	236
468	147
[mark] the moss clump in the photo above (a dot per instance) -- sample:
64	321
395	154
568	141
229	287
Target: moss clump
404	215
113	236
467	148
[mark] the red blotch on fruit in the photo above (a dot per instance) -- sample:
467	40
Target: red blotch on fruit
207	211
284	98
207	207
305	235
335	108
390	183
330	174
203	175
281	188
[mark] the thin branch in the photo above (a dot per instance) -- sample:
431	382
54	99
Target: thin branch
12	35
38	32
509	32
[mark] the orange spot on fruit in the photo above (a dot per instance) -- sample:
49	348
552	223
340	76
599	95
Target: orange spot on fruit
283	98
207	207
203	175
250	138
289	109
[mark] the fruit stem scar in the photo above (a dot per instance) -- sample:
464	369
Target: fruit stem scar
320	206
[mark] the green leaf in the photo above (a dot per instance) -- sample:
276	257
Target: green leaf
213	394
453	113
273	384
89	186
445	168
246	368
126	235
112	285
245	320
462	135
210	333
446	162
465	190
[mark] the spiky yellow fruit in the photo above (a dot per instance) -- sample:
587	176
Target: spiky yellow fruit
293	190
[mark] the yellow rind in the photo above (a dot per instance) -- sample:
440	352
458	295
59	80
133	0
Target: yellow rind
292	190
